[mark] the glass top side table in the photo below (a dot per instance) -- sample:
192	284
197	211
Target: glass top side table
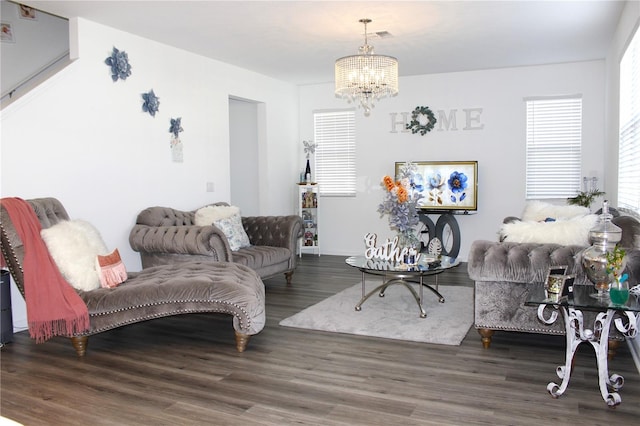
623	317
399	273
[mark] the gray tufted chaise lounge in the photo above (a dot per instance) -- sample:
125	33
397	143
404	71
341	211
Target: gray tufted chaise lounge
166	236
505	272
161	291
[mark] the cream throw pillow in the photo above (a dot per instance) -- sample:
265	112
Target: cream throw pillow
228	219
74	245
207	215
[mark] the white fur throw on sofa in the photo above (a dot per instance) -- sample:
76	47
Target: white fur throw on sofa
539	210
564	232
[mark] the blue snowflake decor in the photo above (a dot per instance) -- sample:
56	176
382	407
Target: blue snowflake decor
151	103
119	63
176	127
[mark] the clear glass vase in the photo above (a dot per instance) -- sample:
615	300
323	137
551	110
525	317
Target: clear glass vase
409	241
603	238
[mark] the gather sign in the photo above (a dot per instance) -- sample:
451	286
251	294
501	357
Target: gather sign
389	250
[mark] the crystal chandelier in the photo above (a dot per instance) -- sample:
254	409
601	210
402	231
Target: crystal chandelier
366	77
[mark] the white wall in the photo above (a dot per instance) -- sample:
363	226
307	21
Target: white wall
499	147
84	139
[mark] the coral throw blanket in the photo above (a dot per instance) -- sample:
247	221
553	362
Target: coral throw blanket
53	306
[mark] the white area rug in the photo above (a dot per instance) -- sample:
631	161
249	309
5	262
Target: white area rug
394	316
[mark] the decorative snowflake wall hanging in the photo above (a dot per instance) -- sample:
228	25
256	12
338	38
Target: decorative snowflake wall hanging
151	103
176	127
119	63
309	148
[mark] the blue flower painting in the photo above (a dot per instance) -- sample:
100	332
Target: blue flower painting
445	185
435	184
457	184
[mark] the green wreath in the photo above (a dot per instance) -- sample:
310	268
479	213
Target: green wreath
415	125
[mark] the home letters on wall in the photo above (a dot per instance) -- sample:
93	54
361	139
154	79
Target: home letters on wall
447	120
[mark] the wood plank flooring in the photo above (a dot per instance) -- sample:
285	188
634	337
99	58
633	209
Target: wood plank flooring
185	371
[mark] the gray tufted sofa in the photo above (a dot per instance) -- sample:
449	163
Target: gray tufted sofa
161	291
164	236
505	272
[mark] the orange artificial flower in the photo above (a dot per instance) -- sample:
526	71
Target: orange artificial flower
388	183
403	196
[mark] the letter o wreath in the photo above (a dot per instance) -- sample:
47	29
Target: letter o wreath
422	120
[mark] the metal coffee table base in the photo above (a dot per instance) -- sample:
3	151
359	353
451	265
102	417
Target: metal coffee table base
401	279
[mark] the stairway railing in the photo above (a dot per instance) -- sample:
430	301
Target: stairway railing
25	85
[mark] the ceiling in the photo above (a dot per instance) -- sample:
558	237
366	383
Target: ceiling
299	41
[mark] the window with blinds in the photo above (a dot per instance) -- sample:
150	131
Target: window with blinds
554	147
629	142
335	137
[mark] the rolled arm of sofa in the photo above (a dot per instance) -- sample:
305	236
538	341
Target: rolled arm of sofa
275	231
521	262
189	240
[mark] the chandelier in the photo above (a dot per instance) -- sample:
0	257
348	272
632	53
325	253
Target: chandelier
366	77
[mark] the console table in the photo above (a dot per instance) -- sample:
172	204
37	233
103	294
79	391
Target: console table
446	224
622	317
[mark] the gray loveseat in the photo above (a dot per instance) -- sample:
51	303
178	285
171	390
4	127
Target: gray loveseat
505	272
163	235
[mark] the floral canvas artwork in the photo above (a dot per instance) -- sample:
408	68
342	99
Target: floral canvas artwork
445	185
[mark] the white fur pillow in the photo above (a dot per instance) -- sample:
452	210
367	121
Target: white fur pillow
74	245
539	210
564	232
207	215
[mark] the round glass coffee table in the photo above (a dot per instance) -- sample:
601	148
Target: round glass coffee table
400	273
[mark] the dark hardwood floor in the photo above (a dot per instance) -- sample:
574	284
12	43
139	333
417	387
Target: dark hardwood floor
185	371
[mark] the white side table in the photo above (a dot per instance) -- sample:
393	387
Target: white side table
622	317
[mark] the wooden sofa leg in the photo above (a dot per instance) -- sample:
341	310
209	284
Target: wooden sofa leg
288	276
80	344
241	341
486	337
613	348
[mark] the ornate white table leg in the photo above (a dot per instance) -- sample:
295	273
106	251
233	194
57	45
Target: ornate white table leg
573	340
576	333
626	324
600	343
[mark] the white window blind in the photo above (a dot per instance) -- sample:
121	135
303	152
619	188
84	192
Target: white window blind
334	134
554	147
629	143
